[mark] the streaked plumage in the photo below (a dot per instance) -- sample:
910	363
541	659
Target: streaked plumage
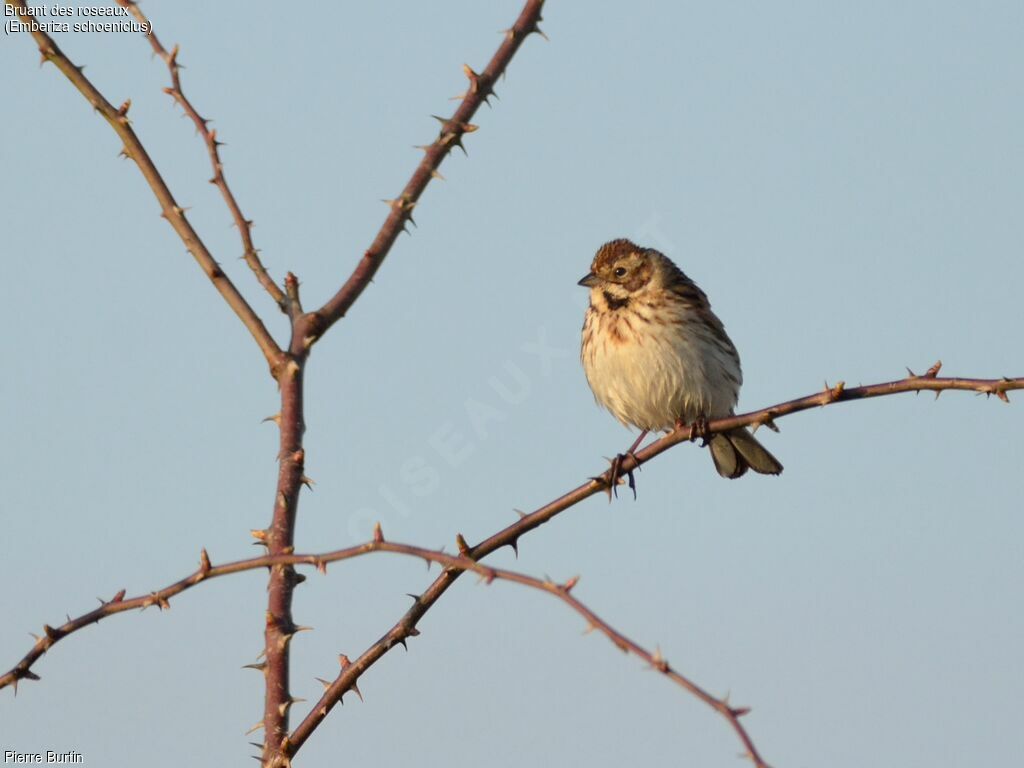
654	353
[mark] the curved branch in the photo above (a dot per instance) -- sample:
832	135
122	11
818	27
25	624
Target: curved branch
481	88
405	627
244	225
458	563
170	210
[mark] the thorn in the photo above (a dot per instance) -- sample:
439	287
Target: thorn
118	597
937	393
910	373
933	372
343	661
276	418
325	683
259	666
435	174
460	542
255	728
378	533
284	706
739	712
1001	394
515	547
355	688
520	513
204	562
415	598
658	661
567	587
260	534
321	566
123	109
308	482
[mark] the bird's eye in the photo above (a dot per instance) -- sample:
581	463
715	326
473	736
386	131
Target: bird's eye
620	272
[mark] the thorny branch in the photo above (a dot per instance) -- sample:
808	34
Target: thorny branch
287	367
170	210
250	253
481	88
405	627
459	563
347	679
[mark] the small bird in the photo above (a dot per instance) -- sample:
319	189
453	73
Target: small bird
658	358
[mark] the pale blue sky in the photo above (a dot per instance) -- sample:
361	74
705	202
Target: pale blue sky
845	182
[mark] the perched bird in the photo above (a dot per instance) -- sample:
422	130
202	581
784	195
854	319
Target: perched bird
658	358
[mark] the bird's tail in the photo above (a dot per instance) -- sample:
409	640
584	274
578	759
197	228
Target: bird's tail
735	451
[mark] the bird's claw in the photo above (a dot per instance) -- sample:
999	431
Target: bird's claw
699	428
613	477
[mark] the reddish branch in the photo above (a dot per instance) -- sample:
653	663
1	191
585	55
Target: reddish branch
481	87
509	536
279	539
347	680
170	58
170	210
459	563
287	368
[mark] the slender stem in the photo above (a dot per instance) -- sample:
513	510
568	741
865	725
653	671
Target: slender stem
405	627
170	210
458	563
481	87
279	538
213	144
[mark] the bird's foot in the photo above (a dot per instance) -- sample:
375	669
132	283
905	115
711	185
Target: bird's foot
613	478
698	428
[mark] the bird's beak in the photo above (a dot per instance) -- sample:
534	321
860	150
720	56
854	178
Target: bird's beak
589	281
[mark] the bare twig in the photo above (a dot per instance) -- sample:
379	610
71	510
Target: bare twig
170	210
250	253
454	563
481	87
405	627
347	680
